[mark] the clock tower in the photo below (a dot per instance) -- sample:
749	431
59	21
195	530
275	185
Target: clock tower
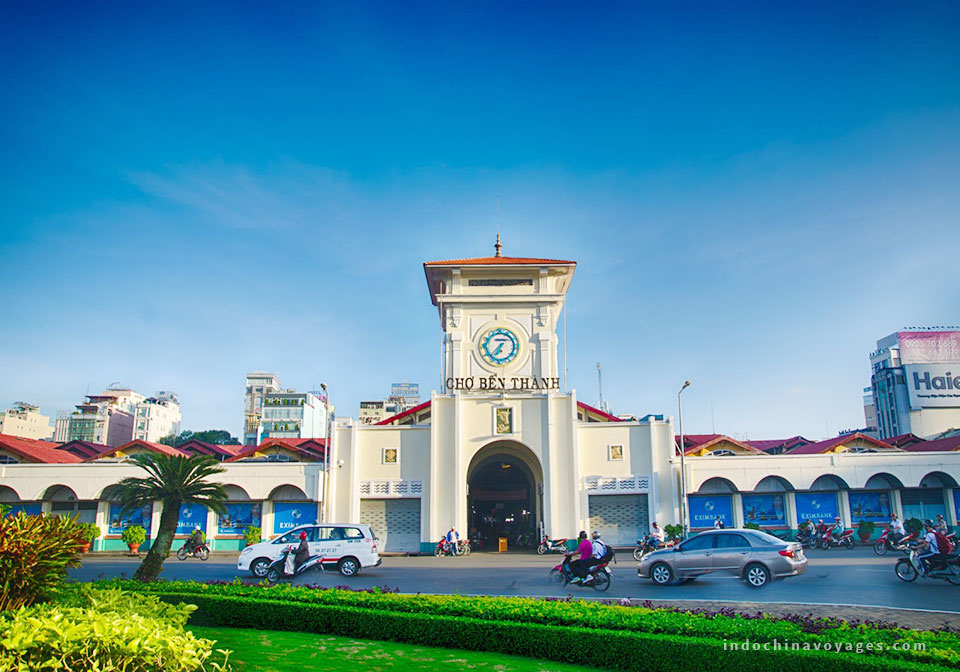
499	317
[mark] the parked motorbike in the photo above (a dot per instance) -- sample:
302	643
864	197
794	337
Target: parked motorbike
463	546
829	541
598	577
807	537
443	548
947	568
886	543
275	570
202	551
552	546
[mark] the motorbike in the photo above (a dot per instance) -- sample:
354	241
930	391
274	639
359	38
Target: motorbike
275	570
443	548
886	543
829	541
202	551
598	577
645	544
552	546
946	568
463	546
807	537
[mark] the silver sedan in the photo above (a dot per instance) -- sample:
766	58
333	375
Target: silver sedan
756	557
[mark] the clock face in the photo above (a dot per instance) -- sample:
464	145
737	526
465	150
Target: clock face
499	346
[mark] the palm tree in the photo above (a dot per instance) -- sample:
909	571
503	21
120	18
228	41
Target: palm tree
174	480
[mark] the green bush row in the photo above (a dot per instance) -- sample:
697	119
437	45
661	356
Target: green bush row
940	647
103	631
611	649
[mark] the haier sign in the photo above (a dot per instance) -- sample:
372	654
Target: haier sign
933	385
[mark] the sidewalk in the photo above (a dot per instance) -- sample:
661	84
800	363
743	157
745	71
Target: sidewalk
910	618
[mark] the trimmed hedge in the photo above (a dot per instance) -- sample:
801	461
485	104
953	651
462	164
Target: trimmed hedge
942	648
594	647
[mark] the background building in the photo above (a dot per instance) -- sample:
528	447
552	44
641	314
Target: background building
259	385
916	382
403	397
293	415
157	416
27	421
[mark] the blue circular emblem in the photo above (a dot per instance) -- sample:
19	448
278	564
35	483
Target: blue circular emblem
499	346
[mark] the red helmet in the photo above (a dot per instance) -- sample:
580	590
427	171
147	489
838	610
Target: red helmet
303	535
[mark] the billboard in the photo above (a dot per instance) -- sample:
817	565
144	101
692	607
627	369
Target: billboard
288	515
816	506
764	510
190	516
872	506
929	347
704	510
239	516
933	385
120	521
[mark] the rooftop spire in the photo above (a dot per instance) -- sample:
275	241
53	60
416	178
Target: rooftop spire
498	245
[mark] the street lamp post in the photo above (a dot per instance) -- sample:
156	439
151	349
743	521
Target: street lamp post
324	508
683	475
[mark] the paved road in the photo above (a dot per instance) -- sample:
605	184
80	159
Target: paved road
856	577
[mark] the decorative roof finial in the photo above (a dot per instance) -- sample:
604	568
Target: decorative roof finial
497	247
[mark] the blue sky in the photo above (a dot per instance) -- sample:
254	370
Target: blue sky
754	194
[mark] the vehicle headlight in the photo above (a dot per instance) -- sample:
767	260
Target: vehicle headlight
247	551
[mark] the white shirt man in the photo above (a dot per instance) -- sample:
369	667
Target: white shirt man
657	533
897	525
931	549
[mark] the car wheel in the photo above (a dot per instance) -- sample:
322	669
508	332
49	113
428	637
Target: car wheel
349	566
757	575
259	567
661	574
905	570
182	554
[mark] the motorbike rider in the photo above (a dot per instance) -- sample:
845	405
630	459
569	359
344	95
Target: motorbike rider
656	533
298	557
452	539
718	523
196	539
897	531
837	530
599	550
931	552
585	551
941	526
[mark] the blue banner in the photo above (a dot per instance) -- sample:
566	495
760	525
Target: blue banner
873	507
764	510
816	506
192	515
139	517
29	508
288	515
956	505
704	510
240	516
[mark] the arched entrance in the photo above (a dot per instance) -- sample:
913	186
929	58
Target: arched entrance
504	496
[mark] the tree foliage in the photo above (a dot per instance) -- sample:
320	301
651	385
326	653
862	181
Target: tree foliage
173	480
218	437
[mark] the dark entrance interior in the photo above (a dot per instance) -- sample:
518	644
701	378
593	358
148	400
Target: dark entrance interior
502	503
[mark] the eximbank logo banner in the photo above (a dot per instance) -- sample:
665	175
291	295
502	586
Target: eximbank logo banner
933	385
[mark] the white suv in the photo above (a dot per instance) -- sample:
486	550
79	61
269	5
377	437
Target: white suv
347	547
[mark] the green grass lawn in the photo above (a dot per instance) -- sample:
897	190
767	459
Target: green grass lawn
271	651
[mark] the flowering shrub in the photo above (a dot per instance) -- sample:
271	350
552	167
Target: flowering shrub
106	631
35	553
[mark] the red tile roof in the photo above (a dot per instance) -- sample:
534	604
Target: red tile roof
314	449
937	446
787	444
499	261
410	411
904	440
195	447
34	450
149	445
586	408
84	449
694	443
829	444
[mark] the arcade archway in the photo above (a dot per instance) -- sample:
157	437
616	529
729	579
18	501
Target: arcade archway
504	496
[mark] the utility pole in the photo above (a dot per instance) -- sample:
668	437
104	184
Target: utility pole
600	380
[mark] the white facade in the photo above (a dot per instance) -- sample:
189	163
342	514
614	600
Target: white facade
293	415
26	420
258	385
156	417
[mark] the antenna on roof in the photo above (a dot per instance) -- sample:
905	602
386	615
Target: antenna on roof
498	245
